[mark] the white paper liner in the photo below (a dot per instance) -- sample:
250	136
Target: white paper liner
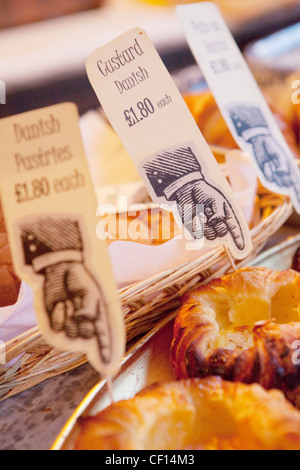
18	318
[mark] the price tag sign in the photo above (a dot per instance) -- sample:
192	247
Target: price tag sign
159	133
239	98
50	213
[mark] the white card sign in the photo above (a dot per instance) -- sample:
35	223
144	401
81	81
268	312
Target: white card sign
50	213
159	133
239	98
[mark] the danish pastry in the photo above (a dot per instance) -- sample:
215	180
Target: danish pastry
199	414
243	327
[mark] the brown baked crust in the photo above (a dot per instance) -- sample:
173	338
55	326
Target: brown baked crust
242	327
296	260
195	414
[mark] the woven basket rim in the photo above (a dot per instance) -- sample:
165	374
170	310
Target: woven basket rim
35	361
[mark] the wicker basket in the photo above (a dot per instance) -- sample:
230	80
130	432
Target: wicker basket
144	304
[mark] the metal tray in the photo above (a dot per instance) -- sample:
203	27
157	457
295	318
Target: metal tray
148	361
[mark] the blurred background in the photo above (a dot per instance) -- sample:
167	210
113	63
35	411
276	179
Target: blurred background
44	43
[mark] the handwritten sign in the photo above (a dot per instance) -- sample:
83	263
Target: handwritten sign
239	98
50	212
159	133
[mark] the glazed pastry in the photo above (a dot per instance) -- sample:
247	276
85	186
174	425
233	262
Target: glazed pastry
200	414
244	328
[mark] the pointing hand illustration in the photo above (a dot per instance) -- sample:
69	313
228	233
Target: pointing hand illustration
73	299
176	175
271	158
218	218
74	304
